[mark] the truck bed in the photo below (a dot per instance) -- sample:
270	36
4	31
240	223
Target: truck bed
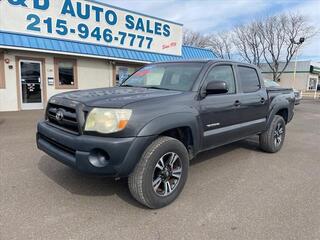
278	91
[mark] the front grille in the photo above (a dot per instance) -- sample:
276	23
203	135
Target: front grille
68	122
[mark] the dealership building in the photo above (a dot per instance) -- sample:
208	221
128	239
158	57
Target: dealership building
301	75
48	47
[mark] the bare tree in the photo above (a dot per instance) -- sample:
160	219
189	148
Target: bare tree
221	45
272	40
278	36
195	39
247	42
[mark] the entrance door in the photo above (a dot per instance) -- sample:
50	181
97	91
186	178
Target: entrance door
31	85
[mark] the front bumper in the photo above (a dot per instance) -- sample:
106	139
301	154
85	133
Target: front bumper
122	154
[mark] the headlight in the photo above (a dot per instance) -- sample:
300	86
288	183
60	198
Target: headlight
104	120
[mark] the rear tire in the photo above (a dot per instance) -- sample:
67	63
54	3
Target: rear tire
272	140
161	173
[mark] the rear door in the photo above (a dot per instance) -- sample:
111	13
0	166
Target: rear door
253	100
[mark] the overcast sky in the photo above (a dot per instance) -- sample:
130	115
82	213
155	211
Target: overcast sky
209	16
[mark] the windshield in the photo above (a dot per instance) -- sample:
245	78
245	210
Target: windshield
170	76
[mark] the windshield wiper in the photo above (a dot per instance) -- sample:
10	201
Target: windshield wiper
155	87
150	87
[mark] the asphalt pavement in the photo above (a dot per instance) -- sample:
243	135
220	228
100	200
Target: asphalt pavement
233	192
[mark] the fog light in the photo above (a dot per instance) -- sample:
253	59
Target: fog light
98	158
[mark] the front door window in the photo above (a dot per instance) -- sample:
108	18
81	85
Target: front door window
30	82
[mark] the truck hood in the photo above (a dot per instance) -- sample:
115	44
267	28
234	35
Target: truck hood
115	97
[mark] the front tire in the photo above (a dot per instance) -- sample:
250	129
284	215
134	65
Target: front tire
271	141
161	173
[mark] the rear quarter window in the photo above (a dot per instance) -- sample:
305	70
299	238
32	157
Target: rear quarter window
248	78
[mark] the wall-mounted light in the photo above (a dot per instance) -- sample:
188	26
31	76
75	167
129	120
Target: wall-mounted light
7	60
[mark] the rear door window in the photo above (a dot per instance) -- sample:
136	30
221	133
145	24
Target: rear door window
248	78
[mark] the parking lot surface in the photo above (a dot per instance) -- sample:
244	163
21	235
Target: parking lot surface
233	192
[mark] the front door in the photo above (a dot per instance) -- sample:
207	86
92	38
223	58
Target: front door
220	113
30	85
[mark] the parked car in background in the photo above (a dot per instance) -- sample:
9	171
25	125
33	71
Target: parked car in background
270	83
297	96
297	93
160	118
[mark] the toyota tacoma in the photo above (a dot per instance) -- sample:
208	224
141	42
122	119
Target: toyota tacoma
160	118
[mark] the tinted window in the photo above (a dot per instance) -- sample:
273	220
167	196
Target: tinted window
249	79
223	73
66	76
173	76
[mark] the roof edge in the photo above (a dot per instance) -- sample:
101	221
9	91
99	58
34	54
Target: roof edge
203	49
73	54
63	46
87	43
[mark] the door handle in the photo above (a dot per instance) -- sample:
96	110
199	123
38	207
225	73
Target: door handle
262	100
237	103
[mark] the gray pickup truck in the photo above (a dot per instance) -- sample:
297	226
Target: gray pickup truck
160	118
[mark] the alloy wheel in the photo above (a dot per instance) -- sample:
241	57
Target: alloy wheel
278	134
167	174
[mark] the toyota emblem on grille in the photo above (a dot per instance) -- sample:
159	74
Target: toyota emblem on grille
59	115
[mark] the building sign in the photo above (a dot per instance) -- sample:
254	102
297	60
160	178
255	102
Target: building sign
91	22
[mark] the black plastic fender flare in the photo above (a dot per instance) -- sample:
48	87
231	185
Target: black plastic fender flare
174	120
274	110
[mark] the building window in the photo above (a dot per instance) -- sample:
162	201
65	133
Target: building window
312	84
123	72
65	73
2	80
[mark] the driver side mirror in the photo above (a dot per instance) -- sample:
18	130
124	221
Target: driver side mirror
217	87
